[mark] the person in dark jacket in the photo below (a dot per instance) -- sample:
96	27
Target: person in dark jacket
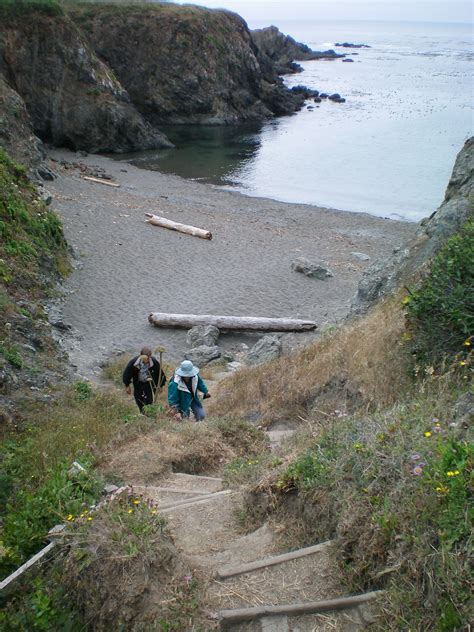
146	374
183	390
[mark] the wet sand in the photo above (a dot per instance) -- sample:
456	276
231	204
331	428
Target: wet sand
126	268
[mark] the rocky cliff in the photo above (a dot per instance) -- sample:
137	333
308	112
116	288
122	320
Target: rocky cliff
282	50
73	98
16	130
383	277
186	64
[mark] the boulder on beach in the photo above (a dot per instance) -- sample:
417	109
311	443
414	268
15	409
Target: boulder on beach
202	335
202	355
313	269
266	349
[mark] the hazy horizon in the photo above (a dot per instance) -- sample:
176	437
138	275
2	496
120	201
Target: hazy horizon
451	11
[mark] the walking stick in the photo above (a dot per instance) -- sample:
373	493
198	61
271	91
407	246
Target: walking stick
160	373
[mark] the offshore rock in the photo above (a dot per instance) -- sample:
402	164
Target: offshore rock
186	64
383	277
71	96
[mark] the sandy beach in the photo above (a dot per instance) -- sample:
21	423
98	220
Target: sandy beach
126	268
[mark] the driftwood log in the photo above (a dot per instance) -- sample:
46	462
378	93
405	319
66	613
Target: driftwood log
156	220
242	323
101	181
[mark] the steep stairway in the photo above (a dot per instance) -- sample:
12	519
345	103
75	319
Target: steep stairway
250	585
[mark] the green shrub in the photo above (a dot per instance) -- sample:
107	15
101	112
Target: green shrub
20	7
440	313
32	512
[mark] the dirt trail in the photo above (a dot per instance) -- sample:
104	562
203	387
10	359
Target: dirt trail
203	519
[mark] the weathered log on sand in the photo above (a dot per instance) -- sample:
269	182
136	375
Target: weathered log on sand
101	181
242	323
181	228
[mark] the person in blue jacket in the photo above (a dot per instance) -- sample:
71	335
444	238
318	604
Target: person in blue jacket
183	390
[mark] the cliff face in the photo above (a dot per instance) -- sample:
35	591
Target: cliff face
185	64
16	130
458	206
72	98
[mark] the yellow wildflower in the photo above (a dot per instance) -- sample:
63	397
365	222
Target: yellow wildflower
406	300
89	518
427	433
467	343
136	501
452	473
130	511
70	518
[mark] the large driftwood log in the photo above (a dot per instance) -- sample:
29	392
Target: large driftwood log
181	228
187	321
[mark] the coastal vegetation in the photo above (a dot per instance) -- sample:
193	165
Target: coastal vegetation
381	462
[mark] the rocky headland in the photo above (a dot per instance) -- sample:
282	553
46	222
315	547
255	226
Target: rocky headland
102	78
282	51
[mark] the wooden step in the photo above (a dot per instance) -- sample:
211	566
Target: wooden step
271	561
191	482
228	618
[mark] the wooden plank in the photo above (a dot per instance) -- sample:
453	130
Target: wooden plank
172	490
156	220
101	181
271	561
242	323
190	503
193	499
19	571
231	617
197	477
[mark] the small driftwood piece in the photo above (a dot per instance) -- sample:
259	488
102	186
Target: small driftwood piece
224	573
229	618
156	220
242	323
101	181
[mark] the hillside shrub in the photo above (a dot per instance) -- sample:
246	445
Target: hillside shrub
396	489
440	313
20	7
31	235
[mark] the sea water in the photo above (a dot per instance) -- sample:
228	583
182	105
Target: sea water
388	150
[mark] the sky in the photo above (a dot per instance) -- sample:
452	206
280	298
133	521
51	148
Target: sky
402	10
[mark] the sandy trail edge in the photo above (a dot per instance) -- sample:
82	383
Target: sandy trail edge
126	268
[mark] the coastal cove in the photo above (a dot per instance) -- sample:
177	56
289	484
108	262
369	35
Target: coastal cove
387	151
126	268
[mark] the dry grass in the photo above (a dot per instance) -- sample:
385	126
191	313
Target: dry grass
362	364
182	447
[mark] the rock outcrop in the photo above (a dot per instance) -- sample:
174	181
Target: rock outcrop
72	98
16	131
186	64
282	50
383	277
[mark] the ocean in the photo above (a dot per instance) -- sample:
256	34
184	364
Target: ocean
388	151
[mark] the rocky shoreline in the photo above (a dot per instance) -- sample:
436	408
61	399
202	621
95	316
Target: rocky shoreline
103	79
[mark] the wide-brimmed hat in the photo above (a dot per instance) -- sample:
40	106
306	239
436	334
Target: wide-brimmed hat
187	369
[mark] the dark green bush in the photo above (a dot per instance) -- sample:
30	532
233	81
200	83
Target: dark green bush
20	7
440	313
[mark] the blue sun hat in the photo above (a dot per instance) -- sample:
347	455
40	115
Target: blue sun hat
187	369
